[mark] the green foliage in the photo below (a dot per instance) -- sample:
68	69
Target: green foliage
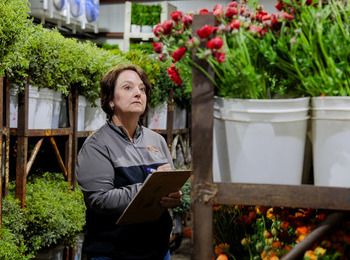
145	14
145	48
14	23
53	212
9	247
107	46
185	204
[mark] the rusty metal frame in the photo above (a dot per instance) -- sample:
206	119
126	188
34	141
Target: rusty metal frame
205	192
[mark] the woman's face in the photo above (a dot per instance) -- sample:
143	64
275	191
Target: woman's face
129	94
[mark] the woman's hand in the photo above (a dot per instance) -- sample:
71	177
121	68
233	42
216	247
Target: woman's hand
164	167
172	200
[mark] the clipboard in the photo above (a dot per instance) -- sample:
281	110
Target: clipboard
145	206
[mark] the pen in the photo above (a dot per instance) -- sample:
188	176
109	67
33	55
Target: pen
151	170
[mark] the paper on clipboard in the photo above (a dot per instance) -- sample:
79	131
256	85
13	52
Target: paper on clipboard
145	206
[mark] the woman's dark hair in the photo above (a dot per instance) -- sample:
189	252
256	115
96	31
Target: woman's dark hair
109	81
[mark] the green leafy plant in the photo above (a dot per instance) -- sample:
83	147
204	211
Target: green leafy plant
54	214
14	25
185	204
145	14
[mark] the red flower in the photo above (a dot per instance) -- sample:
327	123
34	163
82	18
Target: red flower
235	24
205	31
187	21
220	57
218	7
167	26
230	12
288	17
177	55
279	6
176	16
215	44
158	30
204	11
157	47
308	2
161	56
255	29
174	75
233	4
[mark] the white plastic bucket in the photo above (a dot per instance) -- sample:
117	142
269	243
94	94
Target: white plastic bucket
146	28
95	117
157	117
331	141
57	99
135	28
259	141
44	109
33	97
81	112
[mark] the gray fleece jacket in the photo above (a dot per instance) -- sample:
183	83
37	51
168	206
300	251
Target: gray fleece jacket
110	170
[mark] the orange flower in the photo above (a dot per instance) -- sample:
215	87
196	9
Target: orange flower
286	249
260	210
267	234
285	225
301	237
276	244
269	214
223	247
245	241
222	257
275	257
319	251
303	230
310	255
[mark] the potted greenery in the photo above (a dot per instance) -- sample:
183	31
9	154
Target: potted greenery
248	94
144	17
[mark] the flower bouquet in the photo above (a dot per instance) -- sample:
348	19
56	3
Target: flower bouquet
246	84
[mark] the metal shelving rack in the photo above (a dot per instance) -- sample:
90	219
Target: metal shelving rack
205	192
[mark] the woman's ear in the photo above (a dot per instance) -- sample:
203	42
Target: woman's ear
111	104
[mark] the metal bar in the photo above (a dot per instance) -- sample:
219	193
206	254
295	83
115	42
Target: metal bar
58	156
73	119
43	132
202	144
33	155
307	243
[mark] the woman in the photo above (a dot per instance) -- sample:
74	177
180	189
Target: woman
112	165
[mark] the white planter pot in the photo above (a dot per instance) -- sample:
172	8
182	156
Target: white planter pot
81	112
157	117
40	108
135	28
95	117
259	141
331	140
146	29
57	99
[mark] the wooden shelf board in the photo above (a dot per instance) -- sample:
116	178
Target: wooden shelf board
298	196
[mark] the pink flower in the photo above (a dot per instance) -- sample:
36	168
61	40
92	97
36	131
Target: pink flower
205	31
167	26
230	12
254	29
235	24
287	16
220	57
176	16
157	47
187	21
161	56
233	4
178	54
215	44
218	7
174	75
158	30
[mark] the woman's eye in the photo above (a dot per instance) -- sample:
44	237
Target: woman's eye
143	89
127	87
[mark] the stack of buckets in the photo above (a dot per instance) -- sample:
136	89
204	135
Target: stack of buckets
331	140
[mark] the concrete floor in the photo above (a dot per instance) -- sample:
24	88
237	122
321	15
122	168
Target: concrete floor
184	251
